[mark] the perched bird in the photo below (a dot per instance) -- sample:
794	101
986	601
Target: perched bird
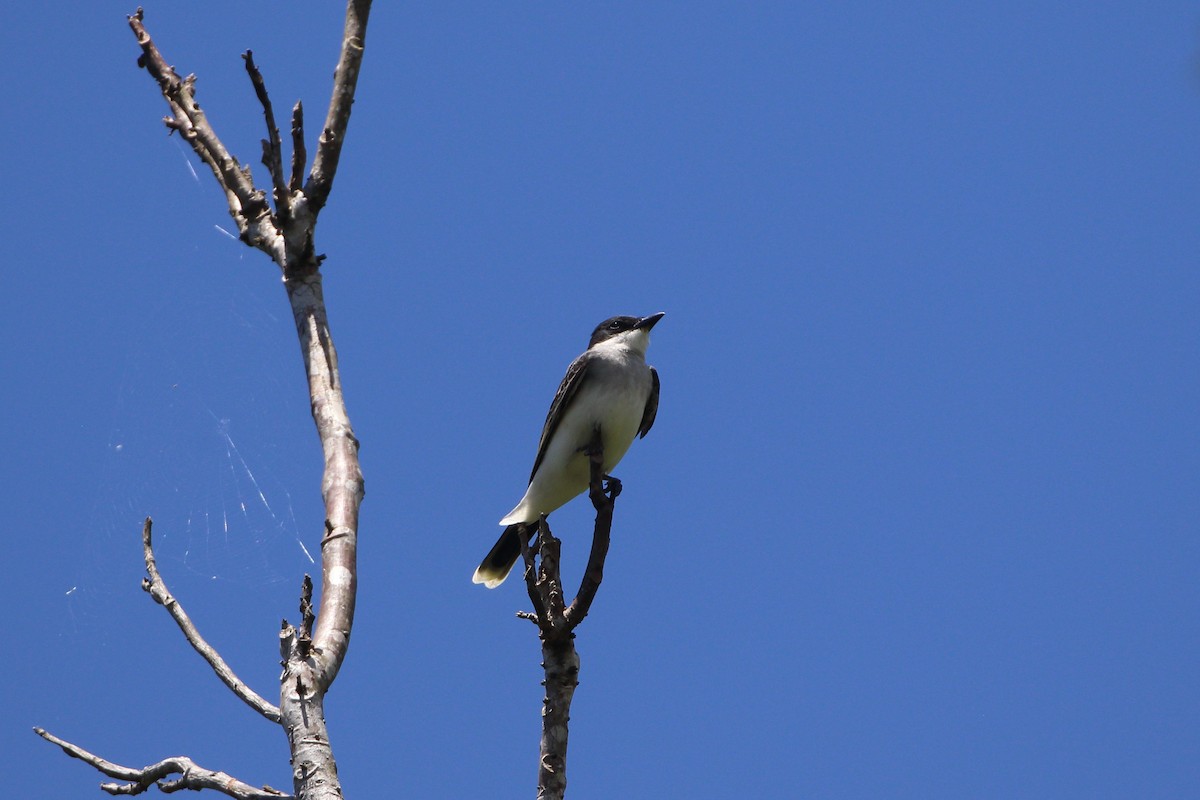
609	387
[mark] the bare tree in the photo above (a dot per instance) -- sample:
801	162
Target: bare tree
283	228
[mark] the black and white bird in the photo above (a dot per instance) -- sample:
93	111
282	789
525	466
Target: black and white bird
609	387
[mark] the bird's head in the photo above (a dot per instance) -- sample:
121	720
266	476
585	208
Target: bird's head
632	332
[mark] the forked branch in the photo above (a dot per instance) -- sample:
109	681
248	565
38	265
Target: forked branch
557	622
285	234
191	775
543	580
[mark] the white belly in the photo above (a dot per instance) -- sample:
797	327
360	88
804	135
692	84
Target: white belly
564	471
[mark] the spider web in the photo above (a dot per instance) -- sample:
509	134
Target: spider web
210	436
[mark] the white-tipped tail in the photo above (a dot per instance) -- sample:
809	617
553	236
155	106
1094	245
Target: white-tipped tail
496	565
489	580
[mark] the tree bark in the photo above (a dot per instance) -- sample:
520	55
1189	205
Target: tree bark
311	660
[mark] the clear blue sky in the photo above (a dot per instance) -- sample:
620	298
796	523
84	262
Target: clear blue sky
919	515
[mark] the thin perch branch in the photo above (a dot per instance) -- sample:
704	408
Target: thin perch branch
191	775
157	589
556	624
542	578
603	501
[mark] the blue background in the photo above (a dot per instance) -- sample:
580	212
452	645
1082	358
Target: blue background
919	514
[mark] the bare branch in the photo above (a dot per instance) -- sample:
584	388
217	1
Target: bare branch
540	615
272	157
311	656
299	154
603	502
542	576
304	635
247	205
157	589
191	775
292	249
345	80
556	625
549	579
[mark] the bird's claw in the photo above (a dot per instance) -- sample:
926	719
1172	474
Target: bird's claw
612	487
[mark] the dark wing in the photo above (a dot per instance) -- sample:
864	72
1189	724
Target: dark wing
566	393
651	406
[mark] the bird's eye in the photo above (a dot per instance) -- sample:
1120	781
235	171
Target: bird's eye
614	326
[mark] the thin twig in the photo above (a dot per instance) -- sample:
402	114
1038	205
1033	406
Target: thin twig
304	635
549	573
539	615
191	775
157	589
272	157
299	155
603	502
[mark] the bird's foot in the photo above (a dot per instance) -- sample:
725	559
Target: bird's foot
612	487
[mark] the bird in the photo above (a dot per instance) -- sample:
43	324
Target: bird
609	388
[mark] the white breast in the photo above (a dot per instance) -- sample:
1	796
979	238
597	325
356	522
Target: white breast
613	398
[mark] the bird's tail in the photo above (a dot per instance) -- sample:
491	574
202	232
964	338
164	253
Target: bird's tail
496	565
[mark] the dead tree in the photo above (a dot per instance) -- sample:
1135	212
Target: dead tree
283	228
556	619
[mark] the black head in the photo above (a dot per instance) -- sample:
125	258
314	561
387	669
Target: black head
614	326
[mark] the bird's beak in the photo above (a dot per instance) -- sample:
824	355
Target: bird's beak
646	323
